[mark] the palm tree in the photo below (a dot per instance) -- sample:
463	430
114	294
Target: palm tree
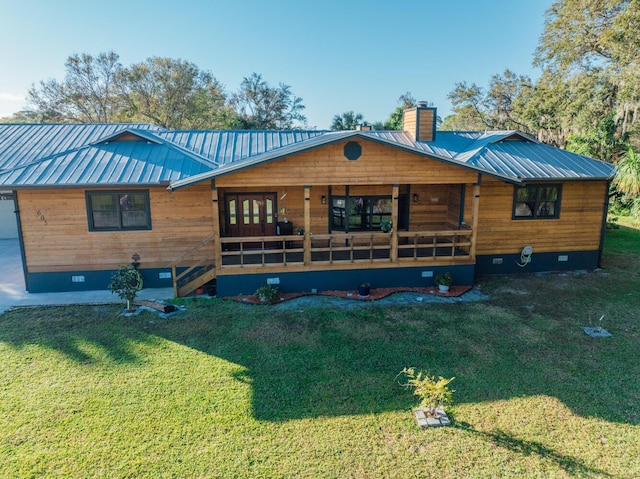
347	121
627	180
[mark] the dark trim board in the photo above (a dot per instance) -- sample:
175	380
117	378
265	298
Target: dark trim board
557	261
93	280
343	280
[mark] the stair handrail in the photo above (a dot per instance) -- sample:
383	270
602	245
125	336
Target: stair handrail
202	243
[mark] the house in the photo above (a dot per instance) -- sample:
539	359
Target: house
302	209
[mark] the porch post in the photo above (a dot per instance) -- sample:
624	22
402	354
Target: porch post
475	207
393	256
307	225
217	246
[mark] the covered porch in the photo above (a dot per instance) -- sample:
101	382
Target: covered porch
417	240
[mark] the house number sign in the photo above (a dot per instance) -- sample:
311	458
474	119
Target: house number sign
41	217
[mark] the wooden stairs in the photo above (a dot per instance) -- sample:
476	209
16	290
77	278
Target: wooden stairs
197	274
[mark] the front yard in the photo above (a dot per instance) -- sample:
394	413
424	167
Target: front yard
234	390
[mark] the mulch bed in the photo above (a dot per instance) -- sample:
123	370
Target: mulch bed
375	293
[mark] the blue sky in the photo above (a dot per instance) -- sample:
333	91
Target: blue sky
336	55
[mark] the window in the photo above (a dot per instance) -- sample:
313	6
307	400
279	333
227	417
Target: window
360	213
536	201
118	210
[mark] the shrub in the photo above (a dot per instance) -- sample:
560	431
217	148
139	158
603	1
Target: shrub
433	394
126	282
445	279
267	293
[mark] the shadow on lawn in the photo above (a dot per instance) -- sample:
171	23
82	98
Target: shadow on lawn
330	362
81	333
499	438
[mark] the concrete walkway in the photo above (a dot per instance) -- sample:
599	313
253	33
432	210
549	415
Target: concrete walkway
13	293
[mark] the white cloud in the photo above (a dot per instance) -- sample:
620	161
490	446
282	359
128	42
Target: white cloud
11	103
11	97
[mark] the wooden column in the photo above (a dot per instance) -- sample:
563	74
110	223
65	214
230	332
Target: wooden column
217	246
475	207
393	256
307	225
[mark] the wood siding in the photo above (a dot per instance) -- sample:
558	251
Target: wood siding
426	124
577	229
57	237
410	121
431	211
378	165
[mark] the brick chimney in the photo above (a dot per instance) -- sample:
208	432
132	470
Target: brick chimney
420	122
363	127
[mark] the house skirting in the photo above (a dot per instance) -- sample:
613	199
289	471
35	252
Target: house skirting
556	261
336	279
91	280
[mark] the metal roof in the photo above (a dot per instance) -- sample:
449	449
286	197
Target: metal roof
39	155
225	147
116	163
23	143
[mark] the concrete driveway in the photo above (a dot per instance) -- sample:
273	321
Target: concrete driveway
13	293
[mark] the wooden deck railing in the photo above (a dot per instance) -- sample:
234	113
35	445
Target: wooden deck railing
350	248
342	248
262	251
425	244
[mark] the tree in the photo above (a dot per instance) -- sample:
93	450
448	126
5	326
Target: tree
176	94
596	41
262	107
89	92
627	180
349	120
501	107
394	122
601	142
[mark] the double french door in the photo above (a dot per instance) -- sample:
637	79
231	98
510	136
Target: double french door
251	214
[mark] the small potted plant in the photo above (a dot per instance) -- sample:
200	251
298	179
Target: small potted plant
443	281
267	293
364	289
386	226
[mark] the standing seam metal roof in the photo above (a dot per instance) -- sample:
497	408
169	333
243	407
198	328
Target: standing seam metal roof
90	154
21	144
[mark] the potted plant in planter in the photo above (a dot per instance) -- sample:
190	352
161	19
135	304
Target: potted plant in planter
434	395
386	226
364	289
126	282
267	293
443	281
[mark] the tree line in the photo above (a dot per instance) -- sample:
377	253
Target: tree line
586	100
167	92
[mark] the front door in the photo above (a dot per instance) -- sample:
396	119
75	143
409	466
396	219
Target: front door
251	214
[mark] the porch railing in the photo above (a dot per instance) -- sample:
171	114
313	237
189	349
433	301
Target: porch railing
344	248
262	251
350	248
434	244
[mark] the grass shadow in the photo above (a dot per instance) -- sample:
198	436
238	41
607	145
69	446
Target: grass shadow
84	333
570	465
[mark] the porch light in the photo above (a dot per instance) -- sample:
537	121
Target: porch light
416	198
323	200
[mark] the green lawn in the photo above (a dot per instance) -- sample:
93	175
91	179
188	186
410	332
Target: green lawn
232	390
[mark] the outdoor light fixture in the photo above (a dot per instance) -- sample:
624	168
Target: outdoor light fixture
324	200
415	198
